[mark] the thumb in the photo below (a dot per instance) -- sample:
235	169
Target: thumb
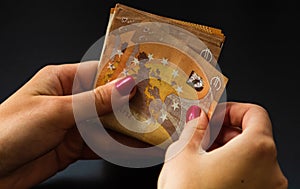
194	132
97	102
192	135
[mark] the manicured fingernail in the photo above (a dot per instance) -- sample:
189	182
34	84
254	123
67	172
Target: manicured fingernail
193	112
125	85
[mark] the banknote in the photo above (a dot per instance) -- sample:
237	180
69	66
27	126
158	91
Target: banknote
174	65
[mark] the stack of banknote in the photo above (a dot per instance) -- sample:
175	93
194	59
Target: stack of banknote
174	65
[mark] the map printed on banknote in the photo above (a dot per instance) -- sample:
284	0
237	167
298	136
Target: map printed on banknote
173	67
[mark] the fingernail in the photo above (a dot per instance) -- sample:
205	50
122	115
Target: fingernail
125	85
193	112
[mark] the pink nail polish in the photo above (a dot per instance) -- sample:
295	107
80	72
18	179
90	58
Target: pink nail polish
193	112
125	85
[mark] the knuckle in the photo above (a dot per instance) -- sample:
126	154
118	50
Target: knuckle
101	96
261	110
48	69
265	122
258	108
283	183
265	147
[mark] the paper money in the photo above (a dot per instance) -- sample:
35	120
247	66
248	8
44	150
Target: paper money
173	63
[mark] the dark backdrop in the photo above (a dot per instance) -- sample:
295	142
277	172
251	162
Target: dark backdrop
258	57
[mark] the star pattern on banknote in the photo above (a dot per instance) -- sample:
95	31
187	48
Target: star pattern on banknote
135	61
175	105
164	61
120	53
179	89
125	72
175	73
163	116
111	66
150	57
162	76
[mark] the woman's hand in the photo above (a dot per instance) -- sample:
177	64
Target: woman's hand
244	154
38	135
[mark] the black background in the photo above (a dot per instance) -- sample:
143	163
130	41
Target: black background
259	57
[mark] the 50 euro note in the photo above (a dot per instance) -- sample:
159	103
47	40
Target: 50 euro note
174	65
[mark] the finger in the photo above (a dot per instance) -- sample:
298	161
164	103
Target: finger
227	133
192	134
83	72
97	102
195	129
63	79
85	76
249	117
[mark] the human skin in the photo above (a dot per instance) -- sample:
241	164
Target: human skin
39	136
243	156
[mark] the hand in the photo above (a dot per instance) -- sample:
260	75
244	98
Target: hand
244	155
38	135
